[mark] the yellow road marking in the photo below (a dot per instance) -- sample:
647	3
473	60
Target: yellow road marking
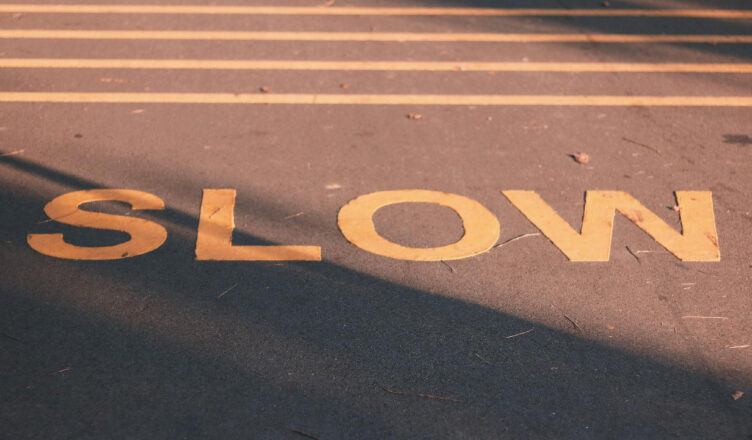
145	235
698	240
59	63
295	10
366	36
355	221
381	99
214	235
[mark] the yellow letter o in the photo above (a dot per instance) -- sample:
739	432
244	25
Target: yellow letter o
481	227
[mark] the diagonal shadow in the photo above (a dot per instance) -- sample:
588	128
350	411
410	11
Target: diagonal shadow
144	348
618	25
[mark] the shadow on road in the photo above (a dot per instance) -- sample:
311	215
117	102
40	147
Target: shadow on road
158	347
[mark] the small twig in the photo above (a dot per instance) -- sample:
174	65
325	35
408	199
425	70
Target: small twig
633	254
519	237
304	434
12	153
60	371
293	216
712	274
519	334
447	265
574	324
703	317
215	211
483	359
227	290
577	327
427	396
739	346
56	218
643	146
10	337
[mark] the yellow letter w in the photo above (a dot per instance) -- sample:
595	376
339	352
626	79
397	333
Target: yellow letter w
698	240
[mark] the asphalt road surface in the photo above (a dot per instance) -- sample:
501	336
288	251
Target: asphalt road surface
305	106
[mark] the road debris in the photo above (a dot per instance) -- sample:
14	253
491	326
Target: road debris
640	144
264	89
414	116
572	321
734	347
10	337
448	265
304	434
519	237
215	211
63	370
484	360
227	290
293	215
12	153
425	396
740	139
580	157
332	186
137	111
41	222
344	86
737	395
633	254
519	334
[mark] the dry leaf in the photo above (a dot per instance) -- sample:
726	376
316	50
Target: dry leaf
610	327
737	395
345	86
581	157
414	116
265	89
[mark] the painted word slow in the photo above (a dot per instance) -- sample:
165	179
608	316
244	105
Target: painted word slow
697	241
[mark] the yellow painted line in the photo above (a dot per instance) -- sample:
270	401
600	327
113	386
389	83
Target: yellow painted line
297	10
366	36
381	99
443	66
